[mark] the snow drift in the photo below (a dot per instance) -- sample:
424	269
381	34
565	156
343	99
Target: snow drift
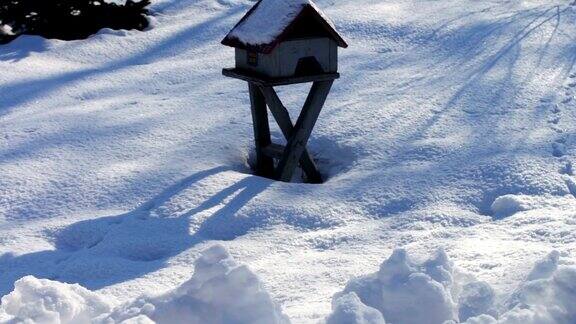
220	291
405	292
549	295
434	291
402	291
44	301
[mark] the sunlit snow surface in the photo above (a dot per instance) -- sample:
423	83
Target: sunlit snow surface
270	19
124	155
222	291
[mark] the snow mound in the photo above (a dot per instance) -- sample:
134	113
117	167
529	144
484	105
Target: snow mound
349	309
546	267
508	205
434	292
406	292
6	30
476	297
44	301
220	291
548	296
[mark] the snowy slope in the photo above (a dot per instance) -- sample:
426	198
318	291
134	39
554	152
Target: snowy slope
124	155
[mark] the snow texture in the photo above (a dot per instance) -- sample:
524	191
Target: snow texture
269	20
405	292
548	296
223	292
433	292
124	155
44	301
508	205
219	292
349	309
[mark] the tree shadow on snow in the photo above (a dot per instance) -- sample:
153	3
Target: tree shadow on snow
192	37
485	59
21	48
100	252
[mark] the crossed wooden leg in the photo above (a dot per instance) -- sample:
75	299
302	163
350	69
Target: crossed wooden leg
297	135
264	163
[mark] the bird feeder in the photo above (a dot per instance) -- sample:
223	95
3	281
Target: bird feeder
277	43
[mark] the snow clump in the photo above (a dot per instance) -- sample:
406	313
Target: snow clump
548	296
508	205
434	292
45	301
6	30
348	308
406	292
220	291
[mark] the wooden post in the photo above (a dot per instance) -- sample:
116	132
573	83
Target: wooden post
264	164
262	94
282	117
302	130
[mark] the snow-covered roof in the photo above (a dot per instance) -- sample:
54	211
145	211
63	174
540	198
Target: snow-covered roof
265	24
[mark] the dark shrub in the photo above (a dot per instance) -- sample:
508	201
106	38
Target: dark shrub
68	19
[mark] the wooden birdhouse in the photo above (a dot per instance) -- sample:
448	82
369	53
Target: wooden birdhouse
285	38
278	43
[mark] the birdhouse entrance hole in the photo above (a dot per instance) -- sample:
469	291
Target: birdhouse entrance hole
308	66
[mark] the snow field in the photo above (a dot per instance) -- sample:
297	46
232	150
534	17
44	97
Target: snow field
123	156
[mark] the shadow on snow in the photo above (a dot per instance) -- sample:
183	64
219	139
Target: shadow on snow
101	252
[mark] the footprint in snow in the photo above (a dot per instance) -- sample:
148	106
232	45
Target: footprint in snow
567	99
567	169
558	149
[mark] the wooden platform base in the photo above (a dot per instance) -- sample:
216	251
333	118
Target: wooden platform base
266	81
